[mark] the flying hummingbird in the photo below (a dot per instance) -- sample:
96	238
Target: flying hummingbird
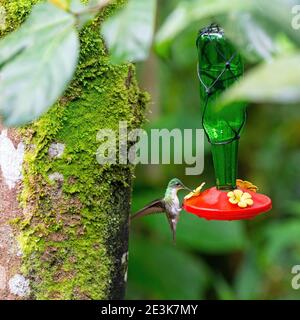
169	205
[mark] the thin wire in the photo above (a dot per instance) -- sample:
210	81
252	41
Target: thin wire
208	89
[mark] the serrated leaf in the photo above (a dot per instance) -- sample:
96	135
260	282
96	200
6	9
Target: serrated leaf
276	82
37	62
129	33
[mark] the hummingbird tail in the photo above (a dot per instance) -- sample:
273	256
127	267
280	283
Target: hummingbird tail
174	234
173	223
174	237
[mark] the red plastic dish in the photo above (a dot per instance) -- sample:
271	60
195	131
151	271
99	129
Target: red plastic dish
213	204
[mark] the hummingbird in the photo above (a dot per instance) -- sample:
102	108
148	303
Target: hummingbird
169	205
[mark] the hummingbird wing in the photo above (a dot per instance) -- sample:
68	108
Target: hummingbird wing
156	206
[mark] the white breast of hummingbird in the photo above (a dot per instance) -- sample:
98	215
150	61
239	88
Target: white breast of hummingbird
172	204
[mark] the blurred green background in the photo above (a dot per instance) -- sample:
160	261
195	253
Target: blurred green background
216	260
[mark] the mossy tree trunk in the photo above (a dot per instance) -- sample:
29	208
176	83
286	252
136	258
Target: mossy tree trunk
64	223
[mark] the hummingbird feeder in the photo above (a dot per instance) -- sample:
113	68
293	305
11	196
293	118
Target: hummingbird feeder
219	67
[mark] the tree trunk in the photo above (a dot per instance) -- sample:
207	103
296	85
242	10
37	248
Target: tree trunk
64	217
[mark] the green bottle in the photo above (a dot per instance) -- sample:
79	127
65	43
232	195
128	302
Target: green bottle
219	67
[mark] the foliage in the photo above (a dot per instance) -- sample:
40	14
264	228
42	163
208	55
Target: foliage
161	275
188	12
257	86
31	61
38	61
129	33
254	27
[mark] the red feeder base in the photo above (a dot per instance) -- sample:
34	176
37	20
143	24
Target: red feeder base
213	204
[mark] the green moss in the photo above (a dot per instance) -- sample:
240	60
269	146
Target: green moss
16	11
73	231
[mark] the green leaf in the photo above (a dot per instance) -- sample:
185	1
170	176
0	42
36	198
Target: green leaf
223	289
165	272
249	280
249	36
276	15
84	12
253	26
37	62
277	82
129	33
256	31
188	12
212	237
282	242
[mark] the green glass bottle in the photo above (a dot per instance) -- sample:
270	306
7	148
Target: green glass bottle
219	67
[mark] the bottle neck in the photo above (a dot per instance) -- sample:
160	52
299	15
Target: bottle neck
225	158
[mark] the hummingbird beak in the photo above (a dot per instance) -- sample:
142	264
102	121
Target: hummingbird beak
186	188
